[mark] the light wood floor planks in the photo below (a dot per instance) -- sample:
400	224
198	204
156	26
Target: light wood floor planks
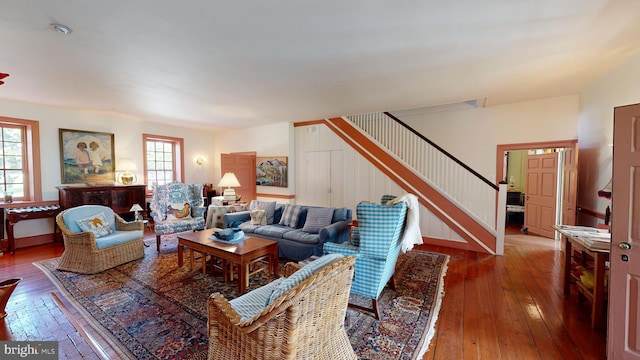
495	307
512	307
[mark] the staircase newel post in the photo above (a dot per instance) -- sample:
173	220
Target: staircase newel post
501	217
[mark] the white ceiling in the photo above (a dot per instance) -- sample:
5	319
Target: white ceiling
229	64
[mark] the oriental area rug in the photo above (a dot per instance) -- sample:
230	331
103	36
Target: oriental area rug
152	309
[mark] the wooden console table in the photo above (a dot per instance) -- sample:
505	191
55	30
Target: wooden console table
118	197
14	215
573	242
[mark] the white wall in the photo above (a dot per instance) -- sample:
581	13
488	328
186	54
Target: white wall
618	88
472	135
127	132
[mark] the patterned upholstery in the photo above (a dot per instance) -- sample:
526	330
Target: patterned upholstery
380	229
171	193
355	232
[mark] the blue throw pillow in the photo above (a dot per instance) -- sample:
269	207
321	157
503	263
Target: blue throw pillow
317	218
291	215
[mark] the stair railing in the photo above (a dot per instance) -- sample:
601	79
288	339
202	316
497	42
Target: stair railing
473	192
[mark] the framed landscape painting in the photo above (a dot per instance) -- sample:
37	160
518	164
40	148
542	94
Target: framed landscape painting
271	171
87	157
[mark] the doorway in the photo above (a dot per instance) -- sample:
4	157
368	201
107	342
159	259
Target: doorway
563	201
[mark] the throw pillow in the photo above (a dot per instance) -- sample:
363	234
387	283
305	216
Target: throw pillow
317	218
268	206
259	217
97	224
179	211
291	215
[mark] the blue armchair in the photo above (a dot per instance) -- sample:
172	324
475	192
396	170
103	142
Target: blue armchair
177	207
380	229
355	231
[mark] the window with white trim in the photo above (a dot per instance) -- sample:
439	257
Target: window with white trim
163	159
19	159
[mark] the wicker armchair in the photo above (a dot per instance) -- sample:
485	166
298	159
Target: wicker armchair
307	322
86	254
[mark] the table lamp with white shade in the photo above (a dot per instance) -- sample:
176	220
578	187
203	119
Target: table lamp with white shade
136	208
229	180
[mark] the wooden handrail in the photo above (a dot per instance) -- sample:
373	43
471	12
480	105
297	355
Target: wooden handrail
443	151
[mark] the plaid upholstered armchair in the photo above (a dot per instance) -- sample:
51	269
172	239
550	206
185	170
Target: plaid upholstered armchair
355	231
177	207
380	238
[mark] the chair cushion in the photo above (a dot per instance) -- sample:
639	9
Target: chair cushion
97	224
302	237
317	218
268	206
251	303
301	275
274	231
179	211
291	215
117	238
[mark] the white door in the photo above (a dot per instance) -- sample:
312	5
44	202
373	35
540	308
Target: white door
316	179
623	332
323	179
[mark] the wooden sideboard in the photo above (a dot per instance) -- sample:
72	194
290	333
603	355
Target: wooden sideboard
118	197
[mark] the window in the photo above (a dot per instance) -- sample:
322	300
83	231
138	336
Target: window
19	159
163	159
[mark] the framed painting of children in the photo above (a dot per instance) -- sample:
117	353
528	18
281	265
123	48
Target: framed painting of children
87	157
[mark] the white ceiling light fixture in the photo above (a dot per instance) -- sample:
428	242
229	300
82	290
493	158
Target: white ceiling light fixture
62	29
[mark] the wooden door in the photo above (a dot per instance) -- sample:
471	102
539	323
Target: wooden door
569	185
624	280
540	195
243	165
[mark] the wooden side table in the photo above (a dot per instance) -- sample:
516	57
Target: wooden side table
14	215
597	295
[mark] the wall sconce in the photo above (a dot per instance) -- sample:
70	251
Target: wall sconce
128	169
200	161
229	180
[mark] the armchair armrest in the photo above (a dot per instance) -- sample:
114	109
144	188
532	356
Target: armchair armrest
157	217
198	211
230	218
122	225
337	232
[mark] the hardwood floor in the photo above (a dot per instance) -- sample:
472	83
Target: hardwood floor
512	307
494	307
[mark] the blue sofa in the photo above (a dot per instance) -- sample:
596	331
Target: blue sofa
294	243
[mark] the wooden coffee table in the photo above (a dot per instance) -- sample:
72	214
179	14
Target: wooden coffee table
239	254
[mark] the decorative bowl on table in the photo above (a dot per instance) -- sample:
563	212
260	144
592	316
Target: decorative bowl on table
226	234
